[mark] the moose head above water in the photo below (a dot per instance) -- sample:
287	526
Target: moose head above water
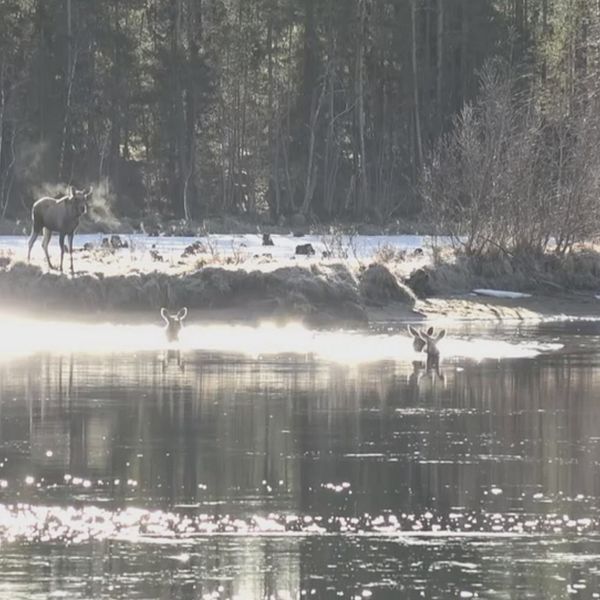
427	341
174	323
418	341
61	215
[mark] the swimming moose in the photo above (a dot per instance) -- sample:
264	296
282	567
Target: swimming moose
174	323
426	341
60	215
173	326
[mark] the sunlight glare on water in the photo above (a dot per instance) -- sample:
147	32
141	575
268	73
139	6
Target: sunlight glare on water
254	475
28	336
26	522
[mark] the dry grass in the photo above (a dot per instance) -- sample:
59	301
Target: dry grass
322	297
578	271
387	253
318	292
378	286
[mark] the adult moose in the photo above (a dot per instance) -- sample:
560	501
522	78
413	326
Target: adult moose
60	215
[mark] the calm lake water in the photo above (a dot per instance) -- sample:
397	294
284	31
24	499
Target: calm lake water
125	475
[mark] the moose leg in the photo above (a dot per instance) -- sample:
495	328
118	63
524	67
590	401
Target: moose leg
61	242
71	252
45	242
36	228
34	234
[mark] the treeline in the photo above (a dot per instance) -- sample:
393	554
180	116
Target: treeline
327	108
518	173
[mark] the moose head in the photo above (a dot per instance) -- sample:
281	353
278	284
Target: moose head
77	200
174	323
427	341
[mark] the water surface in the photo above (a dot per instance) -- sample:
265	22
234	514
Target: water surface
293	474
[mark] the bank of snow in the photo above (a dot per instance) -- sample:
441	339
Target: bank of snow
347	281
332	286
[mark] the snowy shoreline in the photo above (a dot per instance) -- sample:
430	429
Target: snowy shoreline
349	281
233	273
363	247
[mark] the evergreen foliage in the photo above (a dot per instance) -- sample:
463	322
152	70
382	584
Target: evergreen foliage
328	109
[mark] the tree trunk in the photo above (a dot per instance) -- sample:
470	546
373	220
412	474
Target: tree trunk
519	16
2	107
329	160
116	99
544	34
440	65
180	177
70	76
464	36
194	33
417	115
273	193
311	174
8	175
360	75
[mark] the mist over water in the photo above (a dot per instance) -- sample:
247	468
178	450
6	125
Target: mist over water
295	473
29	336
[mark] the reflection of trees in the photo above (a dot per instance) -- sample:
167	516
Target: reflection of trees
245	568
222	428
217	431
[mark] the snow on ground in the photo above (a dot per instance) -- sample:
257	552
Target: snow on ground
222	250
360	246
500	294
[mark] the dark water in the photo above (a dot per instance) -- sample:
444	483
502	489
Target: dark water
288	477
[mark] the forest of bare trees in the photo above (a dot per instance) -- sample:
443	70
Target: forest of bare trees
354	110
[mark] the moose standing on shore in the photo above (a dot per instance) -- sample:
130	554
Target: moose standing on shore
60	215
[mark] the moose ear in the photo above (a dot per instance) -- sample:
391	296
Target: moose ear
163	314
440	335
413	331
182	314
430	331
90	191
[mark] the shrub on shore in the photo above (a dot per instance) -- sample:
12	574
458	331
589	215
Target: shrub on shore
379	287
577	271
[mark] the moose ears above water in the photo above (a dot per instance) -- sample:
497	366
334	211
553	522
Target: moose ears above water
428	336
425	338
180	316
418	333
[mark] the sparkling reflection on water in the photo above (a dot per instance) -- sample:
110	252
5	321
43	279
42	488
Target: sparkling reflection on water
290	477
